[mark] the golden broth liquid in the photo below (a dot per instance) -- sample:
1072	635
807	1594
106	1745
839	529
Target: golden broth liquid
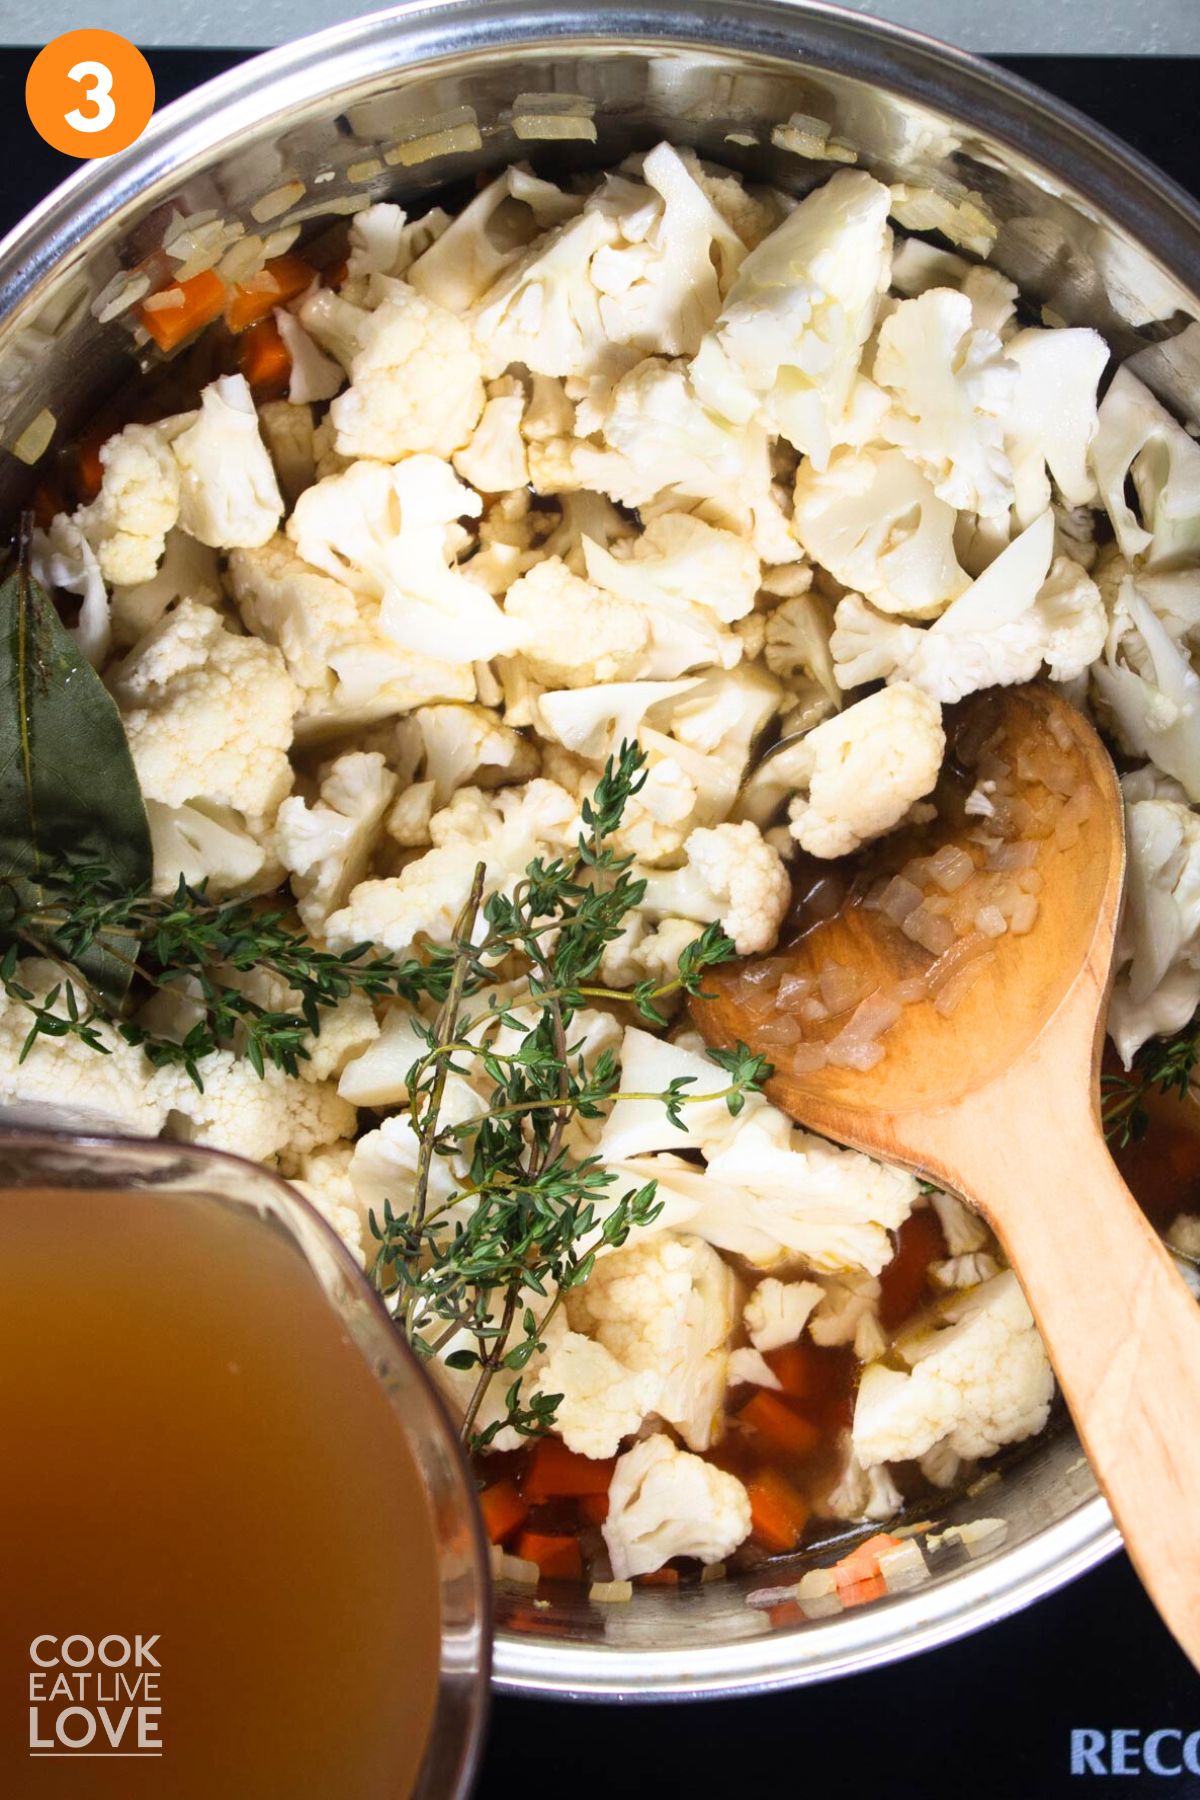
191	1449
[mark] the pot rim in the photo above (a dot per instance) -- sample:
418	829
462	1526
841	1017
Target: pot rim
1119	184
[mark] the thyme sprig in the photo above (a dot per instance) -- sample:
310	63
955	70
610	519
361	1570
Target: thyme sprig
1163	1066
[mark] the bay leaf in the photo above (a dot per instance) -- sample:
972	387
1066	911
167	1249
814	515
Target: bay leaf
69	794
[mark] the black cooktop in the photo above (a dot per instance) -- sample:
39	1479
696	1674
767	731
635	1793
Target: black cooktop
992	1717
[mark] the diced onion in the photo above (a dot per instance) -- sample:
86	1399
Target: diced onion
806	1059
957	957
792	989
951	867
928	929
780	1031
1024	915
34	441
956	988
911	991
839	987
610	1593
904	1567
991	922
276	203
845	1052
514	1568
900	898
1012	856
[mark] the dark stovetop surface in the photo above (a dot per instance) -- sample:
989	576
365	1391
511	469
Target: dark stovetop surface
991	1717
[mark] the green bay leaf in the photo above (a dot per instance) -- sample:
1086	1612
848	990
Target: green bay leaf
69	794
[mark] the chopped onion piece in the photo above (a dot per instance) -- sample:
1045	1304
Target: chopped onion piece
779	1032
991	921
846	1052
899	900
758	1001
926	928
34	441
814	1012
875	1015
1012	856
951	867
712	1572
904	1567
806	1059
956	988
839	987
873	898
1024	915
911	991
957	957
274	204
792	989
610	1593
514	1568
765	974
1030	882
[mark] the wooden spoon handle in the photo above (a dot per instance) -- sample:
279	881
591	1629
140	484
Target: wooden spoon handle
1121	1327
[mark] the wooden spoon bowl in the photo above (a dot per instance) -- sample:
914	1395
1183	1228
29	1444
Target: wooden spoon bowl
997	1098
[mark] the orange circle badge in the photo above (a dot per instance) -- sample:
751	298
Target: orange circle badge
89	93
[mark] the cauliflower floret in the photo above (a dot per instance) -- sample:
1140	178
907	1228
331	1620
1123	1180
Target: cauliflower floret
601	1400
951	389
861	1493
663	1502
849	1314
228	494
788	342
378	1078
873	520
348	1029
917	266
665	1306
470	744
118	1092
963	1230
324	1180
138	503
1019	614
777	1311
543	311
733	876
325	847
592	721
1146	688
347	671
494	461
1052	420
415	375
978	1382
188	570
63	558
864	769
313	376
571	634
268	1119
202	843
1158	943
753	215
505	831
383	242
208	715
1137	439
388	534
488	236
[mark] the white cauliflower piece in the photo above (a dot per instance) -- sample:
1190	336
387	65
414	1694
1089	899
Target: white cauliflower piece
488	236
864	768
415	377
188	570
208	715
326	847
977	1382
861	1494
384	242
648	1066
494	461
543	311
469	744
601	1401
951	388
1137	440
271	1118
777	1311
963	1271
665	1306
873	520
1147	690
388	534
348	673
228	494
1158	942
505	831
313	376
749	1367
324	1180
592	721
378	1078
348	1029
788	342
963	1229
118	1092
571	634
849	1314
732	876
663	1502
917	266
127	523
1020	613
63	558
1052	420
202	843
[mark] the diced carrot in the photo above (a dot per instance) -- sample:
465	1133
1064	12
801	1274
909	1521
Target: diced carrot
278	281
335	274
503	1510
263	357
777	1513
202	299
594	1508
786	1613
861	1565
857	1593
89	470
775	1421
801	1370
558	1558
555	1473
902	1283
659	1578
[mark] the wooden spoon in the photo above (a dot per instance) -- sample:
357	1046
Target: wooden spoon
999	1102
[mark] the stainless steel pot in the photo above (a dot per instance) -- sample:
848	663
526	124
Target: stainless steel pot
406	102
